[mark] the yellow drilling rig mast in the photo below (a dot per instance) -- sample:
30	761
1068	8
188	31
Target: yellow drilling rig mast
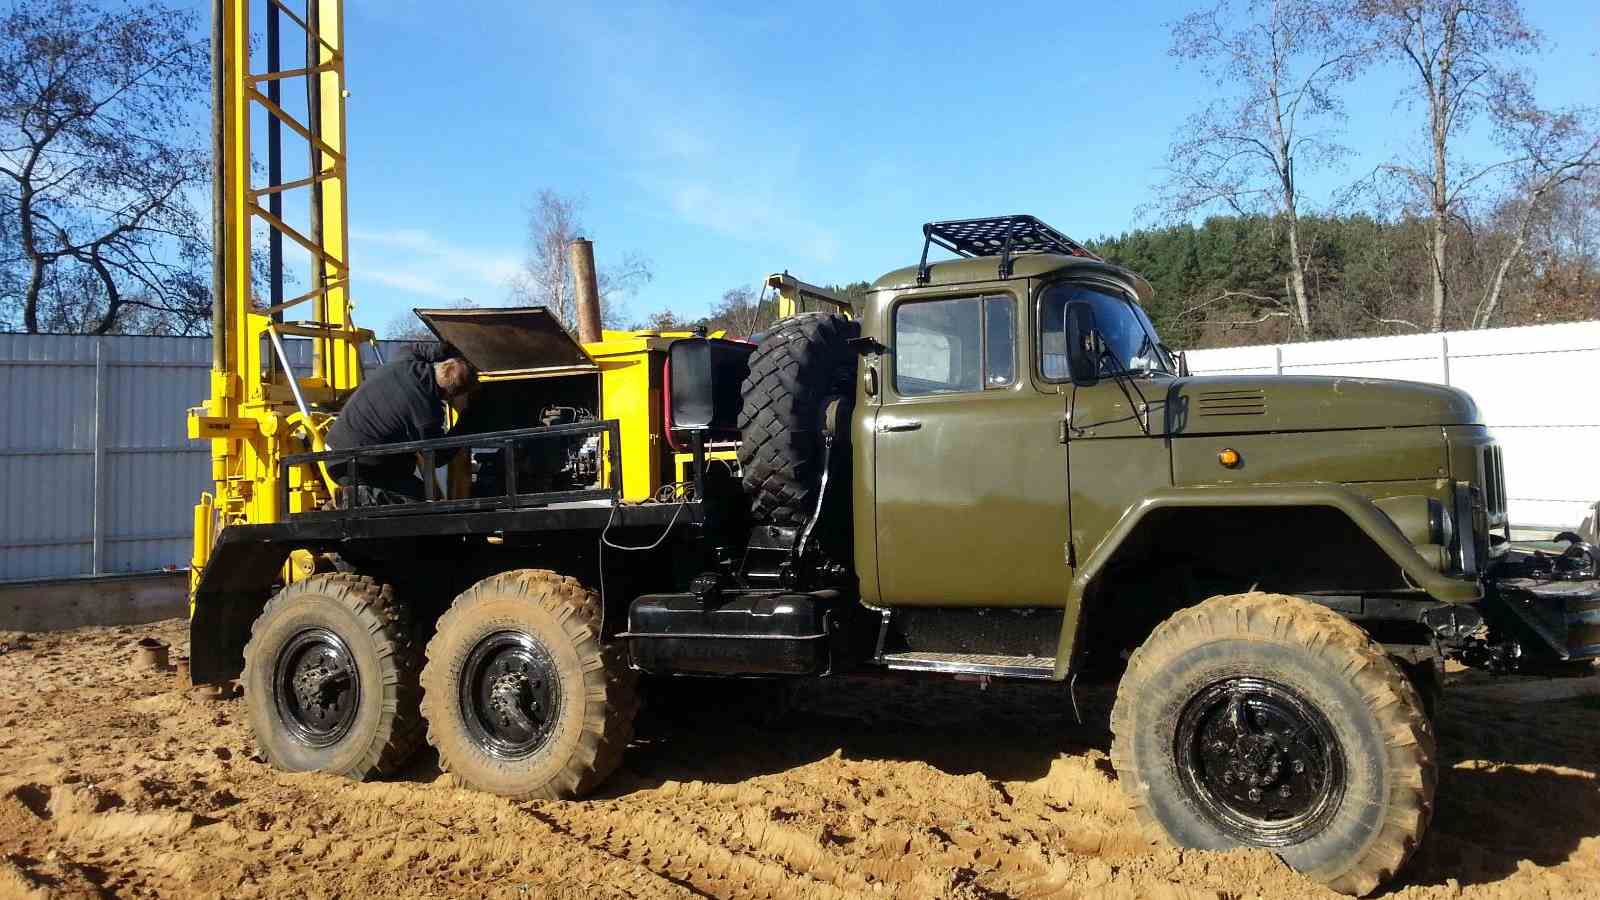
260	408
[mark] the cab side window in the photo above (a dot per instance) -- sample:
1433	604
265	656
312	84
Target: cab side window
1000	342
955	345
1121	323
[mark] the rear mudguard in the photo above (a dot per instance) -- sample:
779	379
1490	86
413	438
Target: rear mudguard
1372	522
231	591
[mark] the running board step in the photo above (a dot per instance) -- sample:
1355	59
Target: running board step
972	664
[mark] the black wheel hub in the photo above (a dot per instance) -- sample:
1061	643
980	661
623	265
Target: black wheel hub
316	687
510	694
1260	761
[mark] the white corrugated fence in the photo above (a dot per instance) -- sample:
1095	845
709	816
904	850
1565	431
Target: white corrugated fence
97	475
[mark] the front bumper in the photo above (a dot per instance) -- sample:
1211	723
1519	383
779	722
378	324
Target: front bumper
1542	604
1564	615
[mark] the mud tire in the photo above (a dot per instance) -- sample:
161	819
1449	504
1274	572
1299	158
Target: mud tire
387	725
802	362
597	700
1428	683
1377	717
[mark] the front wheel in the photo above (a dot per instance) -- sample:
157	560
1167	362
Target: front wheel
1268	721
520	697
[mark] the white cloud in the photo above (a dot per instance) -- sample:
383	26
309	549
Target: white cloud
415	260
748	212
410	281
691	140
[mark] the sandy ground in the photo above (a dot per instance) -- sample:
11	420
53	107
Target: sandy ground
113	785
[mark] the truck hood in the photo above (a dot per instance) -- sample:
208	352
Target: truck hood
1233	404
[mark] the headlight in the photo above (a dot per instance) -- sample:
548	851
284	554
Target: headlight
1426	523
1441	527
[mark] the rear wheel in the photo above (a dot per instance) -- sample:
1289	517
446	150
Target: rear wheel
520	697
330	678
1267	721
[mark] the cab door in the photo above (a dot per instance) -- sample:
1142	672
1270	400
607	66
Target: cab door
1117	446
969	468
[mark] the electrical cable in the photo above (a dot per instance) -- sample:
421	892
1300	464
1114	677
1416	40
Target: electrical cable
605	542
611	519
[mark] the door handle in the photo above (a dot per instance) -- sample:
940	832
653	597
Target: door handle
900	426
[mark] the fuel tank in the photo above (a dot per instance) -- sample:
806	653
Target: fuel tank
735	633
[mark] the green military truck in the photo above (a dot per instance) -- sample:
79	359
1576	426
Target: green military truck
990	467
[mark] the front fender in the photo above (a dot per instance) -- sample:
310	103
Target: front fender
1371	521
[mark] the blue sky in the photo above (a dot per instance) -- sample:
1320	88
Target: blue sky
724	141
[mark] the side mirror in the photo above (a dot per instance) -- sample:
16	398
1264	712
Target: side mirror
1179	358
1083	344
704	375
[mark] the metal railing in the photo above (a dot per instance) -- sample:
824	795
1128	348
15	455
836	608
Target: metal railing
510	445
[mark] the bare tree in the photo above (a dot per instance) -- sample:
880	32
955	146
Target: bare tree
663	320
407	327
1282	60
554	222
98	154
1457	53
1551	150
742	312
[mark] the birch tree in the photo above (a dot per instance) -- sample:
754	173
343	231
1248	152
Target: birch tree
1550	151
546	279
1458	56
1279	64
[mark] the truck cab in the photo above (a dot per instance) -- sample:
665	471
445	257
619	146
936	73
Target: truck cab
1024	441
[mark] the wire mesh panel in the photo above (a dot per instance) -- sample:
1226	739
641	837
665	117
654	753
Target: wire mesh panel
999	235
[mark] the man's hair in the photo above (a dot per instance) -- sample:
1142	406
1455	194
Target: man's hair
455	376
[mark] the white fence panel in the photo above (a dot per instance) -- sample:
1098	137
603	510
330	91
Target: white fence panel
1533	384
97	474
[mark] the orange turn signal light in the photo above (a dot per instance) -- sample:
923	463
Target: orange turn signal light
1229	457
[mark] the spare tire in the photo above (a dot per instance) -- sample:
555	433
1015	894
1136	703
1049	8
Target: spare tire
801	363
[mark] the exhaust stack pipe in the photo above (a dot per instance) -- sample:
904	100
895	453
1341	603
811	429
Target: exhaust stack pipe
588	291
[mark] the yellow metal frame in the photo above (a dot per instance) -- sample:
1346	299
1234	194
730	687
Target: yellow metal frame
796	296
259	411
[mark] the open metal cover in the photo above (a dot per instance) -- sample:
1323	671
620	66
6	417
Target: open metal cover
507	341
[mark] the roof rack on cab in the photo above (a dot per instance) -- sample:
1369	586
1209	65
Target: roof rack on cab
1002	236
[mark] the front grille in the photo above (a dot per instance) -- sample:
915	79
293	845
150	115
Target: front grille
1492	465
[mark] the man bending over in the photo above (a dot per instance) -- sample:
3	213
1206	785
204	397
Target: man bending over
403	401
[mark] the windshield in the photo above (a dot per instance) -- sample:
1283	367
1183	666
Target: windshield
1122	324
